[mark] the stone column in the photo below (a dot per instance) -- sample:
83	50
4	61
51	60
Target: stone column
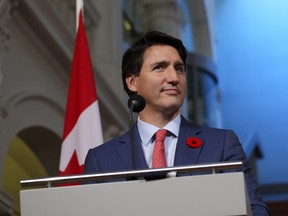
5	11
163	15
6	7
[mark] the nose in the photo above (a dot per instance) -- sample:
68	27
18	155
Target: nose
172	76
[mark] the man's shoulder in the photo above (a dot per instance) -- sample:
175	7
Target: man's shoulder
113	143
196	127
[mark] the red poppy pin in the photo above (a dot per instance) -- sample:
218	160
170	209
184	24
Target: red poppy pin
194	142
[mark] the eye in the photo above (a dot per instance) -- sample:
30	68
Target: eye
180	68
159	67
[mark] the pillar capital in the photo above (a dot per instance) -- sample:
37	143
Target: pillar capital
164	15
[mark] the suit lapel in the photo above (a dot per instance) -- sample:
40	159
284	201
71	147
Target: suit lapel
186	155
124	151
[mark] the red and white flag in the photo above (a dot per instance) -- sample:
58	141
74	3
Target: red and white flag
82	128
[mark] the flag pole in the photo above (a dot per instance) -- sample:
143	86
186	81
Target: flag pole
79	6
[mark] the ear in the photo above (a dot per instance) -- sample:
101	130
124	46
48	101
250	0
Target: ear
131	81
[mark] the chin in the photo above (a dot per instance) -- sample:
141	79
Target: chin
172	107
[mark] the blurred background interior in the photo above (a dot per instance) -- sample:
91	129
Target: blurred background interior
237	78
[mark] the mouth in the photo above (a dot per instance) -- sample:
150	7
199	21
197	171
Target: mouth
171	91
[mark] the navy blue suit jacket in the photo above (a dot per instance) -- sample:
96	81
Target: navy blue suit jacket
218	145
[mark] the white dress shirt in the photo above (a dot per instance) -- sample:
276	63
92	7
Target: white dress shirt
147	132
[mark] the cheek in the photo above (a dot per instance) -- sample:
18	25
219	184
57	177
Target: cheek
184	86
148	88
147	82
183	82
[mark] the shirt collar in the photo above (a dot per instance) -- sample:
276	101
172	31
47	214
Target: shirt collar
147	131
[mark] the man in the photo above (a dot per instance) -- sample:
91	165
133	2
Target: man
154	67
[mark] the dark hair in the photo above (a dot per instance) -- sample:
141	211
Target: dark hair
132	60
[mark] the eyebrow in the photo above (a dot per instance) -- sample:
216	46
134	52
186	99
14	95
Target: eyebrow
178	63
164	62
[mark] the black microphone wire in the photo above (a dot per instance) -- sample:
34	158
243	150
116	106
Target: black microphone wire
136	103
131	130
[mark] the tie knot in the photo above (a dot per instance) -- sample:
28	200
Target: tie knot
160	135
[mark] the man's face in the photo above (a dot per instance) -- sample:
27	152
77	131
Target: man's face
161	81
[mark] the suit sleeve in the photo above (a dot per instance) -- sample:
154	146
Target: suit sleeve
234	152
91	165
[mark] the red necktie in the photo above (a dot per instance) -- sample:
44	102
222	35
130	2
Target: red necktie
159	158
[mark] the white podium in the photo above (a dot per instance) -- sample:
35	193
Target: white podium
210	194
